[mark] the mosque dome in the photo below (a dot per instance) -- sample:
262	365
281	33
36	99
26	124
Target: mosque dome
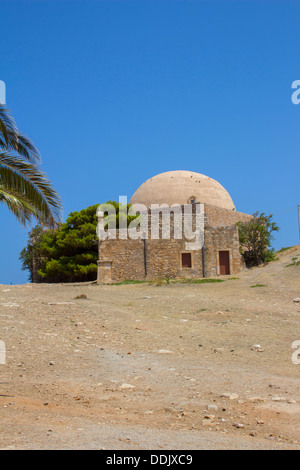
182	187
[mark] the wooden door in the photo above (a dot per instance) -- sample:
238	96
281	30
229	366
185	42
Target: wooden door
224	262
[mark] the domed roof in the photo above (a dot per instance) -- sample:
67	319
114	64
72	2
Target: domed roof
182	187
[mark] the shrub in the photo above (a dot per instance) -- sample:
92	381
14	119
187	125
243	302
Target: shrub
255	239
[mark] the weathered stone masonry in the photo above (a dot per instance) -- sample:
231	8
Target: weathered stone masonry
129	259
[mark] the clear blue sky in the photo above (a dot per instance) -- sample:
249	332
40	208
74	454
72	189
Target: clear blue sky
114	92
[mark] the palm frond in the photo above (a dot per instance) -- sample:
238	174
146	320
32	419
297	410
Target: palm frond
21	145
24	189
12	139
7	124
23	211
26	182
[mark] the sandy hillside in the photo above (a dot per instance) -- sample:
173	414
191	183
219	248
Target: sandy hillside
172	366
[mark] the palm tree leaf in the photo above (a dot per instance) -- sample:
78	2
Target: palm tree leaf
13	139
24	189
23	211
7	124
26	181
22	145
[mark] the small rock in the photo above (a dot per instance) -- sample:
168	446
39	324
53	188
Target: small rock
279	399
256	399
296	300
231	396
126	386
212	407
164	351
257	348
206	422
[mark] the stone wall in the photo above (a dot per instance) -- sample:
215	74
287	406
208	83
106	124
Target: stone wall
127	259
218	217
221	239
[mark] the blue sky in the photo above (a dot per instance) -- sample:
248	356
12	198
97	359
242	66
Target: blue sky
114	92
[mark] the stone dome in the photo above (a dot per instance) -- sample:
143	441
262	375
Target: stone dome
182	187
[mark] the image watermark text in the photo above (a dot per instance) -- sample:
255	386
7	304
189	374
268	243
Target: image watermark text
159	221
296	354
296	94
2	353
2	92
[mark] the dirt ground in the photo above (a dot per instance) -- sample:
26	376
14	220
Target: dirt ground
172	366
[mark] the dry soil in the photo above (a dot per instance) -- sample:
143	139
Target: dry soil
145	366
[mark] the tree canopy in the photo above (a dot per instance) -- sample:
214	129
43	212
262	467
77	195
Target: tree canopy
256	239
68	253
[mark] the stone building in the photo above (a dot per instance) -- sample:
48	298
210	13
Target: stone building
165	254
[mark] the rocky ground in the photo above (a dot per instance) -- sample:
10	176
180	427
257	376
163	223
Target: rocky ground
171	366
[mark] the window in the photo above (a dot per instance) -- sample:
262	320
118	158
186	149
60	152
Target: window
186	260
192	200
